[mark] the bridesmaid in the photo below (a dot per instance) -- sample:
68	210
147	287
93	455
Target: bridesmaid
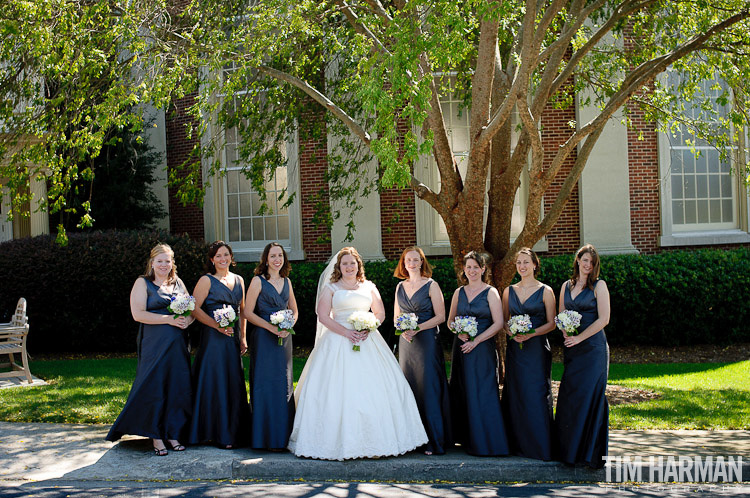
474	384
159	404
221	413
582	416
271	372
419	351
527	395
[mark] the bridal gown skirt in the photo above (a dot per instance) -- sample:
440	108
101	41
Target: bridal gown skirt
354	404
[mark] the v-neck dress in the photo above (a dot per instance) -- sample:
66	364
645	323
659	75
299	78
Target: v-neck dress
474	386
582	415
527	394
423	364
221	413
271	374
160	402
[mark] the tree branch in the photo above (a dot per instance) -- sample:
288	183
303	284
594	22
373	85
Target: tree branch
321	99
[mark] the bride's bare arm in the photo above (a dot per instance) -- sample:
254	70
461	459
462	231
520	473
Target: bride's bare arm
377	306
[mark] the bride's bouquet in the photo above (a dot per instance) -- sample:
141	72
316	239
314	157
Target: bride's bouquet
406	321
181	305
283	319
520	325
464	325
226	316
363	320
568	321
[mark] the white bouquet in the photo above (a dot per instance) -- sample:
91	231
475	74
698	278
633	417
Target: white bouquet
225	316
406	321
363	320
464	325
283	319
520	325
181	305
568	321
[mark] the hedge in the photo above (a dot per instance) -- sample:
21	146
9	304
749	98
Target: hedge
78	294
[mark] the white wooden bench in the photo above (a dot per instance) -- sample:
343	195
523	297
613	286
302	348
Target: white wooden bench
13	340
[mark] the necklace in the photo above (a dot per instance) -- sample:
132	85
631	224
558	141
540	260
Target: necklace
349	286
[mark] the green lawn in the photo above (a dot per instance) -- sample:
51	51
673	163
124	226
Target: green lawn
694	395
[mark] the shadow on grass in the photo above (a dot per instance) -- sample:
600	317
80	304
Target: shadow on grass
687	409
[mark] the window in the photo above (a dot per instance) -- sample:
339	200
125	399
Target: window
701	192
432	235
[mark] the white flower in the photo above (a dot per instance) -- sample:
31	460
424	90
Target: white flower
568	321
465	325
225	316
181	305
520	324
406	321
363	320
284	319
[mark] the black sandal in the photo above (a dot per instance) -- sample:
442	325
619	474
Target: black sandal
160	451
176	447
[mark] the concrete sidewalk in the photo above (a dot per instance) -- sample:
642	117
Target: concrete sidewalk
79	452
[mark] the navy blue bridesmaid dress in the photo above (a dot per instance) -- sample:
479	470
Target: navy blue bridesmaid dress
221	413
271	374
423	365
159	405
582	416
527	394
474	387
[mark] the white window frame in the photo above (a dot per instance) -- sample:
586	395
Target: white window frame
707	233
216	208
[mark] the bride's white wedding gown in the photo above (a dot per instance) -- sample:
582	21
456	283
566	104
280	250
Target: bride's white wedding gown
353	404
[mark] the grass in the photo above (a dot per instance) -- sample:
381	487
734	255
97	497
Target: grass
694	395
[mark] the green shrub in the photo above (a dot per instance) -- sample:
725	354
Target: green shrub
79	294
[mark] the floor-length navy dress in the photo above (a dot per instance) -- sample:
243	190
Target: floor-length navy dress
423	365
271	374
474	386
221	413
582	415
160	402
527	395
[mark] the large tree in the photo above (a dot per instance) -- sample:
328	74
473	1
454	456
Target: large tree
375	68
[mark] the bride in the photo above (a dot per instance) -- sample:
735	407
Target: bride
352	404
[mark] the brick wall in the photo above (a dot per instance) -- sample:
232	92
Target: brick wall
565	236
643	174
398	217
182	219
313	149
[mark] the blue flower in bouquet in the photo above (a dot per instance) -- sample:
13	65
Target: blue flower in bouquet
464	325
520	325
568	321
284	320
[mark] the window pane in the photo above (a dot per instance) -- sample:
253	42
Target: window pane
702	181
725	166
690	212
676	161
712	156
258	233
232	182
701	165
256	205
234	230
678	216
281	180
689	186
283	227
271	228
233	209
245	207
702	211
715	207
231	150
726	186
713	186
688	161
677	187
727	211
247	230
